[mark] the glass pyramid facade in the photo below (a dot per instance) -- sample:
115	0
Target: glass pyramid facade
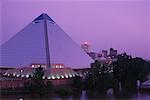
43	42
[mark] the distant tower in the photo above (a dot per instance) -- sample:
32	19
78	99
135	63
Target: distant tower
113	53
104	53
86	47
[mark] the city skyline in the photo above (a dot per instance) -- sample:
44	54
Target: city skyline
120	25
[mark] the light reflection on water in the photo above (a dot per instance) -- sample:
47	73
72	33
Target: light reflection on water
83	96
142	96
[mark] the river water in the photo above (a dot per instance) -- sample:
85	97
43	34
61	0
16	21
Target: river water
85	96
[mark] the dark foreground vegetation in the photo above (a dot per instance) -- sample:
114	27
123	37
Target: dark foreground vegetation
121	76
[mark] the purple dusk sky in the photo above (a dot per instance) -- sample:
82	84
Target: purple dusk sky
123	25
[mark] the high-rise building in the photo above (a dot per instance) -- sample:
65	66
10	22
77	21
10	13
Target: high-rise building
104	53
86	47
43	42
113	53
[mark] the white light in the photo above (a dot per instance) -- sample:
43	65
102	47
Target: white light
111	71
5	74
49	77
22	75
18	75
14	74
57	66
62	76
32	66
27	76
43	77
66	76
58	77
70	75
21	70
21	99
73	75
8	74
86	42
53	77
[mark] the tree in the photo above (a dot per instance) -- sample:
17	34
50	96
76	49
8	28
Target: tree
92	77
128	70
64	92
39	73
141	68
37	84
77	83
99	77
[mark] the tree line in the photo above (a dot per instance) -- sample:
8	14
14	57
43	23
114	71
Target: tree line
122	73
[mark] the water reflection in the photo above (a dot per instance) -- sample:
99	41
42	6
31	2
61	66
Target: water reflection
85	95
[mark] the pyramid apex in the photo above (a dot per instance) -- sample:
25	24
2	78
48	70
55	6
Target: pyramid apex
44	16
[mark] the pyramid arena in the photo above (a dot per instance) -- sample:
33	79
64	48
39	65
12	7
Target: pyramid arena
42	43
